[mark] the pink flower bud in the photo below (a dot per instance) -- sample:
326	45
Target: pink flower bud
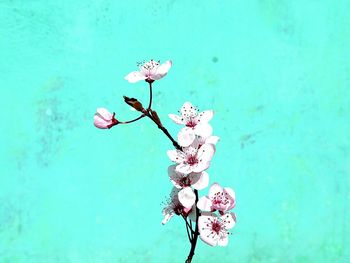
103	119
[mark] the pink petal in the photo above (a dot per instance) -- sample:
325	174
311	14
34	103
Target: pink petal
202	182
214	188
223	241
186	197
99	122
204	203
135	76
186	136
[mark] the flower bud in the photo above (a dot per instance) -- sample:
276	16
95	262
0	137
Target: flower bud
134	103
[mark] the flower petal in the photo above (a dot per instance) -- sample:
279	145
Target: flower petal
205	231
174	177
177	119
232	197
105	114
229	220
203	130
186	197
214	188
186	136
184	168
202	182
223	241
135	76
167	217
204	203
175	156
212	139
204	156
99	122
162	70
205	116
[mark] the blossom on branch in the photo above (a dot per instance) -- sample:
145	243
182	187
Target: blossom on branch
195	123
103	119
193	158
214	230
220	199
149	71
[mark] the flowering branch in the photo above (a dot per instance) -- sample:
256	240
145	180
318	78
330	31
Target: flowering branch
192	156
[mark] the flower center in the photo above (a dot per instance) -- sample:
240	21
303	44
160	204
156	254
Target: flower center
216	227
192	160
220	198
191	123
185	181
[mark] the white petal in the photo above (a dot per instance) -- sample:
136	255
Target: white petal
202	182
204	203
186	197
212	139
188	110
105	114
230	192
162	70
204	156
177	119
167	217
229	220
174	177
214	188
184	168
205	116
203	129
223	241
135	76
186	136
205	231
175	156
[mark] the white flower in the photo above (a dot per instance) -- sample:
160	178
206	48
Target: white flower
221	199
174	207
183	181
193	158
149	71
196	123
214	230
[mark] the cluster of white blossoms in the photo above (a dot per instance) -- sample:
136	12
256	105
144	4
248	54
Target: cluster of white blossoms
189	174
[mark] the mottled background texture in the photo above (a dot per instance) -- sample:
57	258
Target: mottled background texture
277	74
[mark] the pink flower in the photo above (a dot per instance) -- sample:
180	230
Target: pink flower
149	71
103	119
193	158
174	207
196	123
213	230
221	199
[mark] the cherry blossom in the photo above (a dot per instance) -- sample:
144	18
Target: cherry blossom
195	123
192	158
214	230
103	119
174	207
221	199
149	71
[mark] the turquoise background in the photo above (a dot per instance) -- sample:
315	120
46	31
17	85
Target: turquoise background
276	74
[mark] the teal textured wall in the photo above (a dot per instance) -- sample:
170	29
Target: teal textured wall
276	72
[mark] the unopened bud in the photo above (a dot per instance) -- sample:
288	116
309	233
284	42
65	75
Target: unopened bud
134	103
156	118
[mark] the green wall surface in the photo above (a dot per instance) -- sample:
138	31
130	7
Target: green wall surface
276	73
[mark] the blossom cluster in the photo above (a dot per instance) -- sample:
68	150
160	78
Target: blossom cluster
194	149
189	174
